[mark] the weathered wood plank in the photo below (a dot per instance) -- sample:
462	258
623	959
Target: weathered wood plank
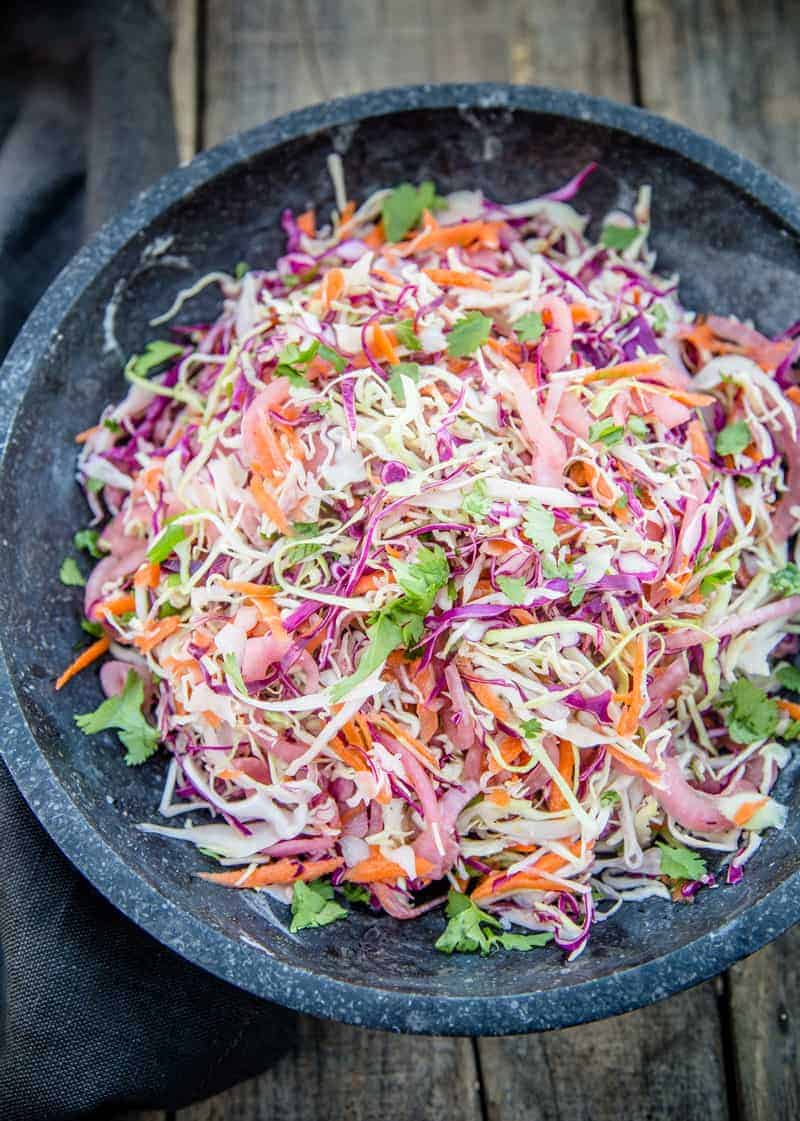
184	64
267	58
764	998
664	1062
340	1072
728	69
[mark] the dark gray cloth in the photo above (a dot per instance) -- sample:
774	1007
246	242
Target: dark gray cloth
97	1016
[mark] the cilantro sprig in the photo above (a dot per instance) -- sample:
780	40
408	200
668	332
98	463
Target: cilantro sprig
313	905
680	863
470	930
468	333
749	713
402	210
123	713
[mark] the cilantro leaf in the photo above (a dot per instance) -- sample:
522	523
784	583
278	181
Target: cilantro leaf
792	731
404	332
539	526
477	503
355	893
637	427
680	863
422	577
531	728
514	588
553	569
751	715
234	672
156	353
124	714
618	237
88	539
789	677
403	208
165	543
609	798
577	595
70	575
336	360
293	362
95	485
787	581
92	628
313	905
240	269
468	333
659	314
384	637
733	438
528	328
395	382
469	930
716	580
606	432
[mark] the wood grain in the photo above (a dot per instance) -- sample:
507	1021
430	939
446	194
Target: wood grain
265	58
184	68
765	997
662	1062
729	69
339	1072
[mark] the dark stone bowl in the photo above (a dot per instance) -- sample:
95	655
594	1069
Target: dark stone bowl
730	229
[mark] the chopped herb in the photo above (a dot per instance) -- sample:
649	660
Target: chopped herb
167	609
469	930
70	575
156	353
313	905
786	581
468	333
402	210
112	425
733	438
609	798
402	370
241	268
165	543
531	728
577	595
637	427
88	539
94	485
606	432
621	503
355	893
404	332
320	407
556	570
293	362
789	677
384	637
330	355
124	714
791	732
680	863
515	589
529	328
539	526
660	319
751	715
234	672
477	503
618	237
92	628
716	580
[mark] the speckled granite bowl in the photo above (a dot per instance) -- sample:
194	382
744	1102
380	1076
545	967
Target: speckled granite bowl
732	231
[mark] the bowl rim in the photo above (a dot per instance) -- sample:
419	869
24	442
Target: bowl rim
142	901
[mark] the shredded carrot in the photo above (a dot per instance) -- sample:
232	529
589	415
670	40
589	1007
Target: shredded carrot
147	576
353	757
84	659
376	237
157	633
435	236
87	433
284	871
382	345
566	765
489	699
452	278
307	222
638	368
384	721
629	721
793	393
267	504
245	588
499	797
530	879
747	810
376	869
332	287
582	314
634	765
118	605
348	211
790	707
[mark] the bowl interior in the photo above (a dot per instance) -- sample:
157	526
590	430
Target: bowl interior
734	256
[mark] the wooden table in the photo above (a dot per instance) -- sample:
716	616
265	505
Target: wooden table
726	1050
